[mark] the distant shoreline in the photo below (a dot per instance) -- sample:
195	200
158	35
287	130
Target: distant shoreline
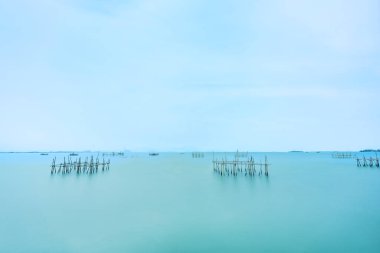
370	150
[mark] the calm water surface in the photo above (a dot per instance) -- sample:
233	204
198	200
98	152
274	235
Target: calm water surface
175	203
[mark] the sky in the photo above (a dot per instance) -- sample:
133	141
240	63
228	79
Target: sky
189	75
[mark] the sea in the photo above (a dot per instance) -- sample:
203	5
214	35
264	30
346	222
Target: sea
175	202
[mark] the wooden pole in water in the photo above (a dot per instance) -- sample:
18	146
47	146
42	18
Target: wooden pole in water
97	164
253	166
53	166
261	168
91	164
64	165
69	164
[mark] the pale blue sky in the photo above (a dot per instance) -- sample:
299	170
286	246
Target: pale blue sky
189	75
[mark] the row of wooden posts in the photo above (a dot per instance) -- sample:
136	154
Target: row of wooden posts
88	166
198	155
343	155
367	162
235	167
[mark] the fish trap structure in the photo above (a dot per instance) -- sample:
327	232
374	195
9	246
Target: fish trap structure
113	154
79	166
343	155
197	155
249	167
368	162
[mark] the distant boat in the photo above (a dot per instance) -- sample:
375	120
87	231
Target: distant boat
73	154
44	154
153	154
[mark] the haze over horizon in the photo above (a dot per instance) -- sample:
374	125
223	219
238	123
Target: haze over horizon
187	75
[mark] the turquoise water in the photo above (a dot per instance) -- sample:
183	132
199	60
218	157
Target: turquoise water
175	203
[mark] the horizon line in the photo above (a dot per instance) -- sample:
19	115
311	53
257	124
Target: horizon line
180	151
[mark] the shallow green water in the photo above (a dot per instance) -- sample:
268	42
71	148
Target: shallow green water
175	203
